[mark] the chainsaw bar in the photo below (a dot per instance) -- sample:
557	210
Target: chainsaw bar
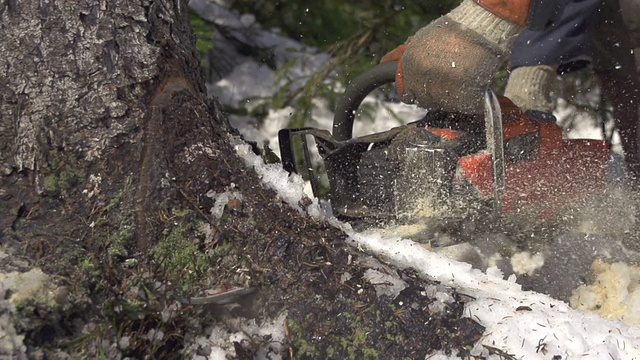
495	146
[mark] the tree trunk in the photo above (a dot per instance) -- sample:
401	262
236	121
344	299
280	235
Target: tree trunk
111	159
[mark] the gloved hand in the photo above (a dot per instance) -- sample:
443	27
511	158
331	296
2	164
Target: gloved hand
449	63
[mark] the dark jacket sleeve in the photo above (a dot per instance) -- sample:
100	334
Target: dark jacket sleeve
564	41
542	13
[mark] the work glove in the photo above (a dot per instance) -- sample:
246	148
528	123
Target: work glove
531	87
448	64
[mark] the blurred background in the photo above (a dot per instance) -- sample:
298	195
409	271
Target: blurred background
275	64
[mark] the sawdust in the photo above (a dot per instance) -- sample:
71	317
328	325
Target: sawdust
614	294
607	213
525	262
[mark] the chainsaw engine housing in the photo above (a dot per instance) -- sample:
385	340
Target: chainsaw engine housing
439	167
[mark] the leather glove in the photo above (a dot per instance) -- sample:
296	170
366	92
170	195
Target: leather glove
448	64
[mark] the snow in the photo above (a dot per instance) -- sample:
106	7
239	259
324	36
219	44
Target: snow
385	284
290	188
222	339
221	200
524	324
565	331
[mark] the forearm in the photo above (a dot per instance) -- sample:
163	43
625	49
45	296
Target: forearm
515	11
532	14
487	24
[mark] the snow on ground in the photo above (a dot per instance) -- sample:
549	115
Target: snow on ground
527	325
221	339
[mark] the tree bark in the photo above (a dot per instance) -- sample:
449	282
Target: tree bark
111	158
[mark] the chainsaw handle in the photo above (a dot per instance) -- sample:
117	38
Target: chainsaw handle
355	93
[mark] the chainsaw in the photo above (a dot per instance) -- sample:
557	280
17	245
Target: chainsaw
447	167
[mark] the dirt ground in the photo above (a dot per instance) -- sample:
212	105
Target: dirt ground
105	298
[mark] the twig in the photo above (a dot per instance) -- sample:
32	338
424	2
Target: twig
503	354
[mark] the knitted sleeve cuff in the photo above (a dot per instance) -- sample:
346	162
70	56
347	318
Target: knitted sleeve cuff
490	26
530	87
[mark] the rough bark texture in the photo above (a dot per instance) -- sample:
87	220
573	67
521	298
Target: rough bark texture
110	155
88	79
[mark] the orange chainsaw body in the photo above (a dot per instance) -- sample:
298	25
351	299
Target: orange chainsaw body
552	173
443	165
